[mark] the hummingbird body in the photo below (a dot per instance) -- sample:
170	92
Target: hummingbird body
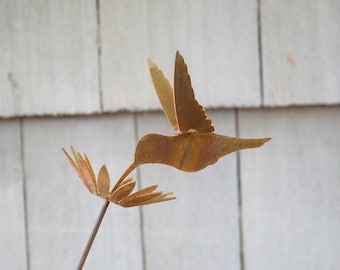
192	151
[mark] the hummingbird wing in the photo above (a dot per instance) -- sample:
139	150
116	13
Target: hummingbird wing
164	92
190	114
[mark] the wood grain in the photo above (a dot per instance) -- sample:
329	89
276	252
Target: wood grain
217	38
291	189
48	57
12	224
301	57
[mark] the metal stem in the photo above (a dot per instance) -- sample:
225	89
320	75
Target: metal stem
100	218
92	236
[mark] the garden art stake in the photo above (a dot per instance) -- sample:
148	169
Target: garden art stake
193	147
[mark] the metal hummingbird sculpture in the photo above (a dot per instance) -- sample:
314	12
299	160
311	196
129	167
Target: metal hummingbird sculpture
193	147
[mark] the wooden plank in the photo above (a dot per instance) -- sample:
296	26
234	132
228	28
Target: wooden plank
199	230
217	38
124	51
61	212
12	224
48	57
291	189
301	58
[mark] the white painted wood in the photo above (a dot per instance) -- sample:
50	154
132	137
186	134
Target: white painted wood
218	40
12	218
301	57
61	212
198	230
49	62
48	57
291	189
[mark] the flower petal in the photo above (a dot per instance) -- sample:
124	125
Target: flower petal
89	182
103	182
161	198
72	162
123	190
89	168
136	199
75	164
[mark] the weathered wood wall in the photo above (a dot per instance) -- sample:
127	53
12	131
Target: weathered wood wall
67	69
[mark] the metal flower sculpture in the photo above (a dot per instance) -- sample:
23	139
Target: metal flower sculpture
121	193
193	147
